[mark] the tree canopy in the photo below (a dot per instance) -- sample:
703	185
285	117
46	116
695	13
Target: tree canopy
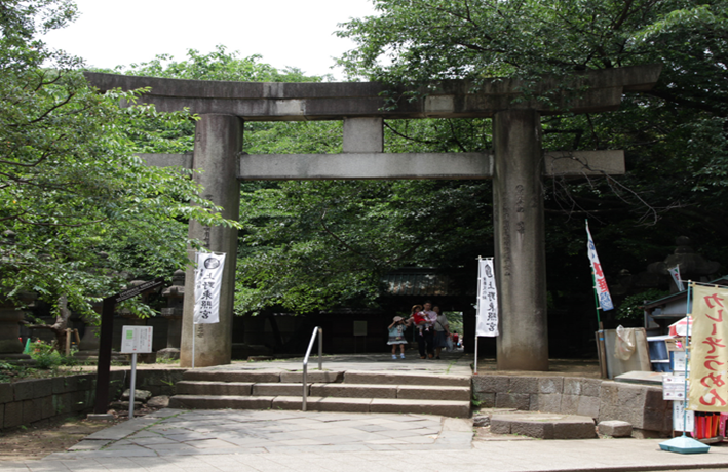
79	212
674	135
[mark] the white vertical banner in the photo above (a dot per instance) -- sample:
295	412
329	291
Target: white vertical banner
486	310
208	284
675	273
605	299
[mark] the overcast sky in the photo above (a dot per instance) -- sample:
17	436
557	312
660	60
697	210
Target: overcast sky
295	33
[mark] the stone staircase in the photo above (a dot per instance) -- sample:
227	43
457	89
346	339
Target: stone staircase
353	391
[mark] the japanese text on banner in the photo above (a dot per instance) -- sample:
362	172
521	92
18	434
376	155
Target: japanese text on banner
709	354
605	299
208	284
486	311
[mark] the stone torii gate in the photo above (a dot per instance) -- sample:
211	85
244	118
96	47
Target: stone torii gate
516	167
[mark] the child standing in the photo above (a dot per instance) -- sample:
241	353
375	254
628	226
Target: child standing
396	336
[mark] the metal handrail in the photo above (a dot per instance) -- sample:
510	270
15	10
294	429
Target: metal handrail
316	330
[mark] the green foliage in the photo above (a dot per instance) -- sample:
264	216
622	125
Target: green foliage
45	356
632	307
674	136
79	212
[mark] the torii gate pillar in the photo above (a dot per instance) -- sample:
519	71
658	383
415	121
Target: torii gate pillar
218	141
519	241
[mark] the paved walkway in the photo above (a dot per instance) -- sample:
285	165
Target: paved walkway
262	441
280	441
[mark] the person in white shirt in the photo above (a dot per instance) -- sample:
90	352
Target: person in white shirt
442	331
429	333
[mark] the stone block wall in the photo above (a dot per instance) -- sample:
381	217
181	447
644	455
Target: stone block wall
29	401
640	405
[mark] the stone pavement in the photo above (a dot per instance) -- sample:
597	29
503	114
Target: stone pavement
272	440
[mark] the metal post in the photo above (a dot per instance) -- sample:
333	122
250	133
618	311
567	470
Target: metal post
305	387
319	346
132	385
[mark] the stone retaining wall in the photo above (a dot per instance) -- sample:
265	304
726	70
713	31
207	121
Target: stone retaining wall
640	405
28	401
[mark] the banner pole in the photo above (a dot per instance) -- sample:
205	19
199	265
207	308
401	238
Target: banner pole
475	331
194	335
601	335
601	343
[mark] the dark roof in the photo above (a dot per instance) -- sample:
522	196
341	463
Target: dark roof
681	295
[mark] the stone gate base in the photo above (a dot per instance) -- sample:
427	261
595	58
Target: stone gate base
640	405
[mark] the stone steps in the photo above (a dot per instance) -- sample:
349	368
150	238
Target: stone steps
375	392
544	426
449	408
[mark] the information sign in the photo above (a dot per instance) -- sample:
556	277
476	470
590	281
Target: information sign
679	415
136	339
673	387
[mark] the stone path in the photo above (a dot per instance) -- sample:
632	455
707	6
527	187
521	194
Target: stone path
171	432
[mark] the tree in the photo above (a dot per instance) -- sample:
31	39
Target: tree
77	209
674	135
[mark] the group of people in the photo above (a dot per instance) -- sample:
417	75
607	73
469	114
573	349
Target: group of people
432	331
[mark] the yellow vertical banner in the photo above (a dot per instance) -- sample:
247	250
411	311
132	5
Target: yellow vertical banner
709	355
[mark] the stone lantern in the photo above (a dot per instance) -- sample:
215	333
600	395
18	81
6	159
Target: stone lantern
175	295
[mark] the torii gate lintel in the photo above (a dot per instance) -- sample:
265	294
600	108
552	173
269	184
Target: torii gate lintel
516	167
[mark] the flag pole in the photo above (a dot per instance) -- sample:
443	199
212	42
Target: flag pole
601	344
475	331
684	444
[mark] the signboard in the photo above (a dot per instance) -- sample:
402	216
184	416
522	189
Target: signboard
486	309
136	339
138	290
679	415
208	285
679	357
709	349
673	387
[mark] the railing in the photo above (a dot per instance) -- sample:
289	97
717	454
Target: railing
316	330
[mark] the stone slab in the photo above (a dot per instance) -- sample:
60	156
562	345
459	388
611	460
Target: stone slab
523	385
547	402
32	411
222	401
386	378
6	393
214	388
276	389
354	390
520	401
23	390
222	375
544	426
582	387
451	409
362	405
491	384
551	385
313	376
425	392
13	414
615	429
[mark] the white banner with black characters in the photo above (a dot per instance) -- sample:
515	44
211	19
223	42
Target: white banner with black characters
486	310
208	284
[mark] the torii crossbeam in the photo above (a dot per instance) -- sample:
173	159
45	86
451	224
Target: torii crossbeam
516	167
